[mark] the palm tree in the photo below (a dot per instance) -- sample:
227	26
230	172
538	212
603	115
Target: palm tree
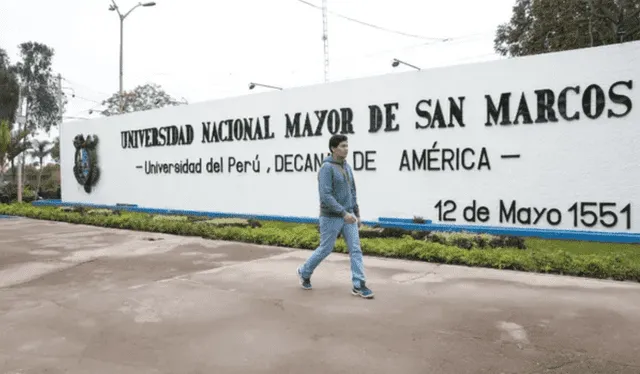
40	149
16	147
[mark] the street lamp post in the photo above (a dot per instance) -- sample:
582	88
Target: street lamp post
253	85
122	17
397	62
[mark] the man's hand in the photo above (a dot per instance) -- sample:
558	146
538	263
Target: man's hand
350	218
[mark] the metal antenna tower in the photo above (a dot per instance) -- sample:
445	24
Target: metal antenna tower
325	39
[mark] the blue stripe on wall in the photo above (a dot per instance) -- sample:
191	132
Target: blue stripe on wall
386	222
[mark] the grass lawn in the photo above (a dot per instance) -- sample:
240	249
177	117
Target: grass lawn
628	251
588	259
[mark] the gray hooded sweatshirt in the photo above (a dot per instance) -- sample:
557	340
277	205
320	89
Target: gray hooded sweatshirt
337	189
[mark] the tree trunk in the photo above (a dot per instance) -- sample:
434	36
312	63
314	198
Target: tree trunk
39	177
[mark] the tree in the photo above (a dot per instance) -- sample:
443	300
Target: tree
55	150
40	92
12	145
4	59
541	26
17	146
9	89
39	86
623	19
143	97
40	149
5	141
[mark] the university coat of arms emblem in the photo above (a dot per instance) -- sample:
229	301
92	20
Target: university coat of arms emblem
85	168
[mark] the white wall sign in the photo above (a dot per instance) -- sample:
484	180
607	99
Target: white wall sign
549	141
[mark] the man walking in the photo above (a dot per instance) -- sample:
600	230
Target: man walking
339	213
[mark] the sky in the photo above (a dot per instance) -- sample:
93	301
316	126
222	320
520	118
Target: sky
203	50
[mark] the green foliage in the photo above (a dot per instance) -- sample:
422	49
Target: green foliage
55	150
141	98
9	192
5	142
619	262
9	90
455	239
31	77
39	150
40	88
229	222
170	218
17	145
99	212
542	26
49	187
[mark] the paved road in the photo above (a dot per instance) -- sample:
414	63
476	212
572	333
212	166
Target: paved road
78	299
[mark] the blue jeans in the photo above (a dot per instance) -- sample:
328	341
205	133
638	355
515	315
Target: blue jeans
330	227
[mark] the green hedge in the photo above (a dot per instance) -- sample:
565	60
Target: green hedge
432	247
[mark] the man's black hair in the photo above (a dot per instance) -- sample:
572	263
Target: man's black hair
336	140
